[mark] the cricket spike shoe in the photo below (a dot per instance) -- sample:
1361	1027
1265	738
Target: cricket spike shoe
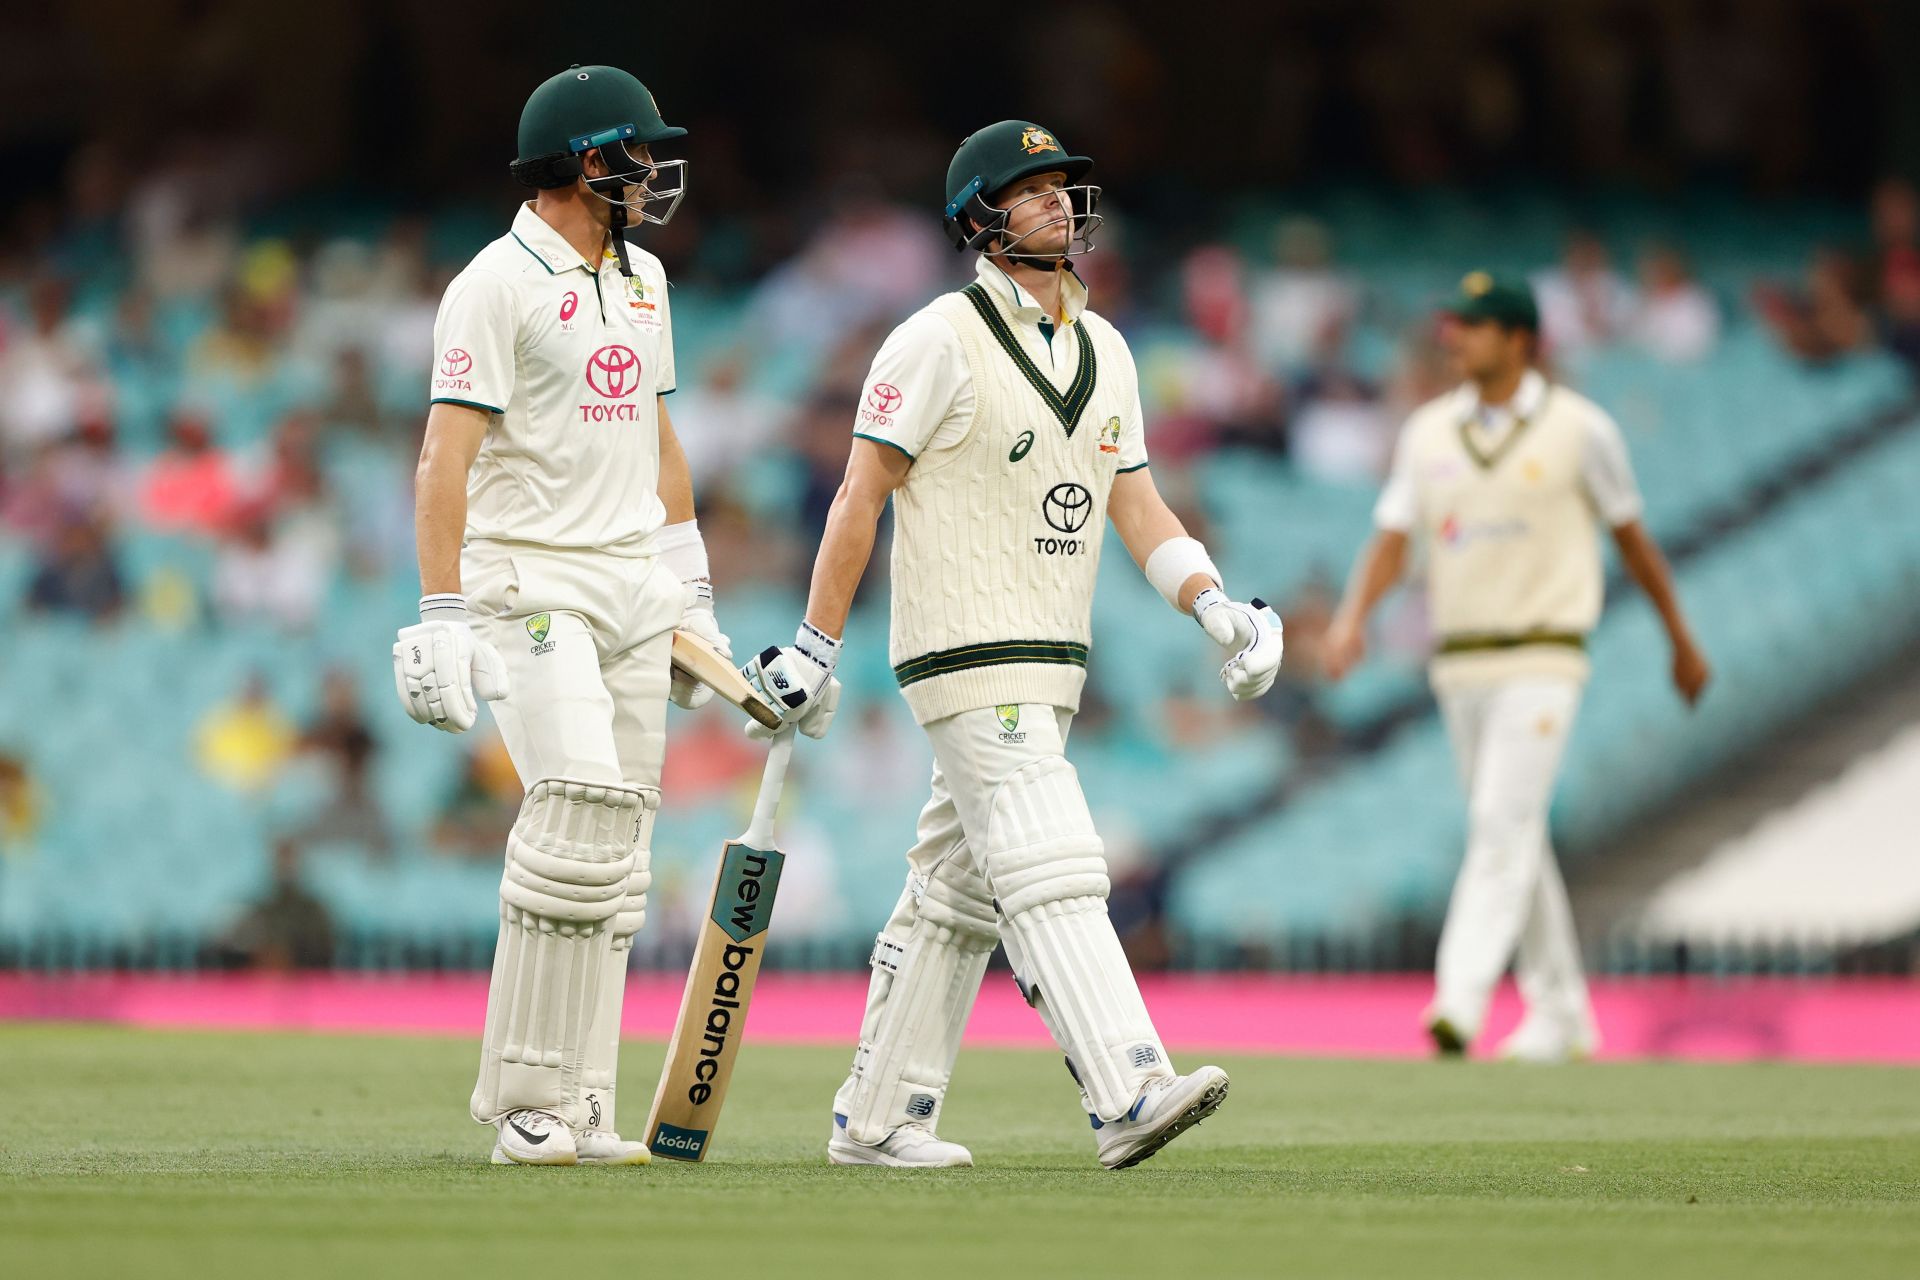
600	1146
1448	1040
1549	1041
911	1146
1167	1107
533	1137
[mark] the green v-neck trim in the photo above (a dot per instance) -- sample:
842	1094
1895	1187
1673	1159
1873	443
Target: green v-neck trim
1079	393
1488	460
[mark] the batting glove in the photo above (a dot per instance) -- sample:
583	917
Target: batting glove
798	680
1251	632
442	670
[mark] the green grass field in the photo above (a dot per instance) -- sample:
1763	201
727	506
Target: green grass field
158	1154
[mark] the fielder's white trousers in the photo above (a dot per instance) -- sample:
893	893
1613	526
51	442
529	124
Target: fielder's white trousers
1509	904
587	638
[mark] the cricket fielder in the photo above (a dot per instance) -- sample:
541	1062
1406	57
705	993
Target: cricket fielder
1004	422
558	552
1505	481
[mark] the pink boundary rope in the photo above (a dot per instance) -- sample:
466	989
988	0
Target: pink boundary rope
1848	1020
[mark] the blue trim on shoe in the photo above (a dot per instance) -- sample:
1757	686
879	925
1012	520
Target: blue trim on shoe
1138	1103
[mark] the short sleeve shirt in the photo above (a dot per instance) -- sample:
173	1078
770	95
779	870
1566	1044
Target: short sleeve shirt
569	359
1605	469
918	397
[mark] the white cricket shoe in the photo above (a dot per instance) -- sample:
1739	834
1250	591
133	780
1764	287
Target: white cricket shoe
1549	1041
1166	1108
911	1146
599	1146
533	1137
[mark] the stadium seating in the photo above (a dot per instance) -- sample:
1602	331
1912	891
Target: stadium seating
1784	606
1789	609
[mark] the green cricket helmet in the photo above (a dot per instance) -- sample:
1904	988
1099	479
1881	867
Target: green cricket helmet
600	108
994	158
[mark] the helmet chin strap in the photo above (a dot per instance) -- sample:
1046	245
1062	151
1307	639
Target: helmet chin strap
1051	262
616	227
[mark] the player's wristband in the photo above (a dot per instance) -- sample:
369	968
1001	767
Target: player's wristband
819	647
1173	562
447	606
682	549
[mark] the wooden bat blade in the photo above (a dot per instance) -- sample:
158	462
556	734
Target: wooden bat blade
713	1009
703	662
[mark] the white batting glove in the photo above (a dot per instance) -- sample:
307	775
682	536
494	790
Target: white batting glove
440	667
1252	633
798	680
698	618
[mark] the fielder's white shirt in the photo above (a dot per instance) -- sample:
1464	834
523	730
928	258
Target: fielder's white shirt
570	359
1605	469
919	394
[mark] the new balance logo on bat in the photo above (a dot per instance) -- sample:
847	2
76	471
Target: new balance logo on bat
726	999
744	900
742	906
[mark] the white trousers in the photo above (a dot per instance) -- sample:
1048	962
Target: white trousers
976	753
1509	904
587	638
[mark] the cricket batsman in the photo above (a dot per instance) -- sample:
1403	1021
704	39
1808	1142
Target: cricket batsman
1506	481
1004	423
558	553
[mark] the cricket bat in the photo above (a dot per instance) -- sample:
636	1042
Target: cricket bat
726	963
700	660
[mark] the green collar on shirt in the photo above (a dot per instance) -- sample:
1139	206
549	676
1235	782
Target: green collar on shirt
1021	305
1528	402
548	247
1079	393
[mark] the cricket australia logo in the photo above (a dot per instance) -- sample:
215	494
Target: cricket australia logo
1034	140
1110	436
1009	717
538	626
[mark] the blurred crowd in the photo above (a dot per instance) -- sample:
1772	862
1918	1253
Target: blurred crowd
172	373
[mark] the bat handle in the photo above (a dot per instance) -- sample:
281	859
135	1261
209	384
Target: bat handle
760	831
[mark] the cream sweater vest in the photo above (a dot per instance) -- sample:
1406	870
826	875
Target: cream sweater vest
1513	550
996	540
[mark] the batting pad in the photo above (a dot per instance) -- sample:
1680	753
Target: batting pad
569	857
600	1068
925	978
1049	877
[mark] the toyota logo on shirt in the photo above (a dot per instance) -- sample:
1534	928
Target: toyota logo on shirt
1066	508
882	399
614	372
455	362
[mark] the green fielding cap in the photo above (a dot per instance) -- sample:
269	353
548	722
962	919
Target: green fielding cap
992	157
1500	299
599	103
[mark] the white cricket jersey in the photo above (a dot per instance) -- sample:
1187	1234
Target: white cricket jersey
1507	501
570	359
1016	426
